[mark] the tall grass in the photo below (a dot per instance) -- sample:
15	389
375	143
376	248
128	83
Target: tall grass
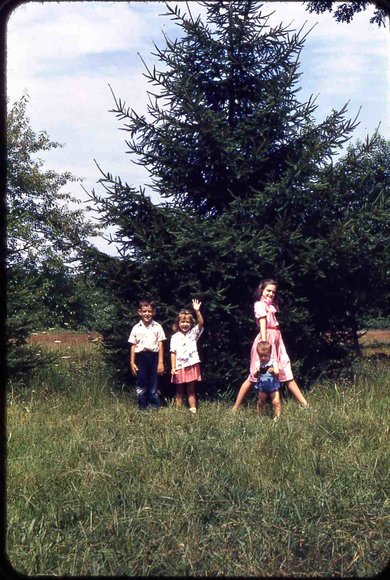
96	487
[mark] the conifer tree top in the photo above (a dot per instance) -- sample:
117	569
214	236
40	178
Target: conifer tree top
224	114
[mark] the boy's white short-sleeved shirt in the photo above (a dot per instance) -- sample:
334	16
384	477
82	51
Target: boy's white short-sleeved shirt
185	347
146	337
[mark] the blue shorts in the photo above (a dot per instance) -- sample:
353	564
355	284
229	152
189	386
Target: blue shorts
267	384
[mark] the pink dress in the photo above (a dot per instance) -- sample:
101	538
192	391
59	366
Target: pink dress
274	337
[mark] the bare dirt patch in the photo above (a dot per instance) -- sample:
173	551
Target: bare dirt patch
60	339
381	336
374	342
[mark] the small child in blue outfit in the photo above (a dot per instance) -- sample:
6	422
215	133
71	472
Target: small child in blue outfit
268	385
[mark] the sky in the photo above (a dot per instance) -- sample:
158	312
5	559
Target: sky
66	55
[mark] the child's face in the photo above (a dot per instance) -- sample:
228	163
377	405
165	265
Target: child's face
185	323
146	314
269	292
264	356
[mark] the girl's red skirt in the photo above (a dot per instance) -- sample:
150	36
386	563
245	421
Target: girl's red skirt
187	375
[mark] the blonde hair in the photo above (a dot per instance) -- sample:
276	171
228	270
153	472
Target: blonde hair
263	347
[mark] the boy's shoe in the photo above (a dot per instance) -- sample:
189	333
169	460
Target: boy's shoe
193	410
276	419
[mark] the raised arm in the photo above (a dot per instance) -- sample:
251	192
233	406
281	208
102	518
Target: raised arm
196	304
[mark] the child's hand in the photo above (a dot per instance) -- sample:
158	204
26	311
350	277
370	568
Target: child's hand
173	371
196	304
134	369
160	369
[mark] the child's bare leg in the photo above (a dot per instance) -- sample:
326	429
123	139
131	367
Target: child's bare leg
191	394
276	403
261	402
179	395
296	391
242	393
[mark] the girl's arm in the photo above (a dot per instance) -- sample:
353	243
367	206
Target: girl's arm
199	318
263	328
160	364
173	363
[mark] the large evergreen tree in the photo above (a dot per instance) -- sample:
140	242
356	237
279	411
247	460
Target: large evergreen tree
249	191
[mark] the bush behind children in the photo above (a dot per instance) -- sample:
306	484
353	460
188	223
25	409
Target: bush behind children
147	339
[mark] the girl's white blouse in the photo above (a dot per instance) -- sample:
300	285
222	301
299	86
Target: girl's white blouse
185	347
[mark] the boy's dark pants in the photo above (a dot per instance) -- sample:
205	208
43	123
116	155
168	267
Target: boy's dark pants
147	379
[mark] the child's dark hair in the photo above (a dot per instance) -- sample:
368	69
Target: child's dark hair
146	302
259	290
182	312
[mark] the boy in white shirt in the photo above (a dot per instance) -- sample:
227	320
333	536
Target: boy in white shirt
146	355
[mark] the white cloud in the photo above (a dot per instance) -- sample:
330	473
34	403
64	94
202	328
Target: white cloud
42	36
65	55
339	57
68	31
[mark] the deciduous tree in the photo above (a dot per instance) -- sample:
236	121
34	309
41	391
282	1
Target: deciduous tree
44	235
345	11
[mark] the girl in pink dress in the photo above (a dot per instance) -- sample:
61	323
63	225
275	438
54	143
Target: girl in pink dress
265	310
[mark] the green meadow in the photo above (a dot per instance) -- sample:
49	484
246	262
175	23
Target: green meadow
96	487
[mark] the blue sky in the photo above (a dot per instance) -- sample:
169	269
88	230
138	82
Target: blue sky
66	54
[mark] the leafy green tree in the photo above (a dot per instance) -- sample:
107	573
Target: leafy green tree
41	230
345	11
67	299
249	190
40	224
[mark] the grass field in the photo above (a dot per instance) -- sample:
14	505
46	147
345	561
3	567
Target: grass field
95	487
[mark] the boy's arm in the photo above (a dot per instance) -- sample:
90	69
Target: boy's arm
275	368
160	364
133	366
